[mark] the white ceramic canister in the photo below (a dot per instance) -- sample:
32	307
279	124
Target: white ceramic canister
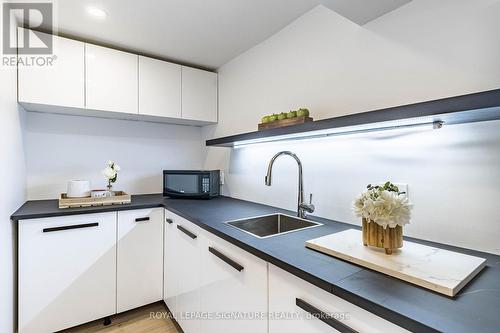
78	189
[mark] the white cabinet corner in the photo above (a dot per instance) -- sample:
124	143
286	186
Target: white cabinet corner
199	95
58	80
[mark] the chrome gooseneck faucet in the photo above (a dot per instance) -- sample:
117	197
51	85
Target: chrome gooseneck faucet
302	207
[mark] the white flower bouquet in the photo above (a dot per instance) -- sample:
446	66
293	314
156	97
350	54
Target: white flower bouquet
111	173
384	205
384	210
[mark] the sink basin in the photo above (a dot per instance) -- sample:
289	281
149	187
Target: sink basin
272	225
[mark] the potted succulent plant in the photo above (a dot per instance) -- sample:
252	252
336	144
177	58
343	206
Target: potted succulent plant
384	211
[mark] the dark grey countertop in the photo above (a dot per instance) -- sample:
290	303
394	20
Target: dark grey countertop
474	309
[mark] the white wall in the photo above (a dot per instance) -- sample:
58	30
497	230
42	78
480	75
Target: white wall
422	51
13	182
61	148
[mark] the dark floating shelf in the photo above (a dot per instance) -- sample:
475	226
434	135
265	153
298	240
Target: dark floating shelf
482	106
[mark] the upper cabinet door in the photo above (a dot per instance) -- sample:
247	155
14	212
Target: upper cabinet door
111	78
159	88
199	95
59	82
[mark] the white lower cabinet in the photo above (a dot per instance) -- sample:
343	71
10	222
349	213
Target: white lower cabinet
182	276
139	258
66	272
170	264
296	306
189	240
79	268
210	284
234	289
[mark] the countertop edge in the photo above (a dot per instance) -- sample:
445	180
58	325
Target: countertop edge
85	210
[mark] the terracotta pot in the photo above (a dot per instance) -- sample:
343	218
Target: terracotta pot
388	238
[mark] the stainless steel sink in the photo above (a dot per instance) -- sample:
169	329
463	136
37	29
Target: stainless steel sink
272	225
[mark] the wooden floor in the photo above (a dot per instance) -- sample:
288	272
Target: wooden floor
134	321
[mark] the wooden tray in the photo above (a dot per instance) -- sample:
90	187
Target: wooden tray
120	198
284	122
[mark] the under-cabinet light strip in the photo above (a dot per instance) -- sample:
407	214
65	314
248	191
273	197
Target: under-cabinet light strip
324	134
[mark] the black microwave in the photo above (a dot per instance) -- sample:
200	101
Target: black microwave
196	184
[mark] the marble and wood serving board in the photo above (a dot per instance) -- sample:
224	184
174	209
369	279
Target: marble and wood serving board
440	270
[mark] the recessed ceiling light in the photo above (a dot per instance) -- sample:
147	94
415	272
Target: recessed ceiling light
96	12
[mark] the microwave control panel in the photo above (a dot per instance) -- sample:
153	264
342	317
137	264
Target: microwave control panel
205	185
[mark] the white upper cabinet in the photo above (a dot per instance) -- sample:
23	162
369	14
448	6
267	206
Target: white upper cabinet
90	80
59	81
199	95
159	88
111	80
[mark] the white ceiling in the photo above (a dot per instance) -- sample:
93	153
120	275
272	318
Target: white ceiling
201	33
204	33
363	11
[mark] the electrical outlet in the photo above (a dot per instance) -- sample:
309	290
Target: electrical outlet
222	177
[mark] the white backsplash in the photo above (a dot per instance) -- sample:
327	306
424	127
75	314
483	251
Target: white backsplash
333	66
62	148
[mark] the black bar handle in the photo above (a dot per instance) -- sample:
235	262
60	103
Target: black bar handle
187	232
69	227
226	259
324	317
142	219
169	221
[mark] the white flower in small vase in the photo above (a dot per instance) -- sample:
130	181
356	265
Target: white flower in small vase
111	173
384	211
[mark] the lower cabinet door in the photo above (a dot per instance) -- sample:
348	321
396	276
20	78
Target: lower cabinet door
298	306
67	271
234	289
170	264
189	240
140	258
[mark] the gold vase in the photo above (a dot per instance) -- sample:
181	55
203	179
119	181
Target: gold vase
388	239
